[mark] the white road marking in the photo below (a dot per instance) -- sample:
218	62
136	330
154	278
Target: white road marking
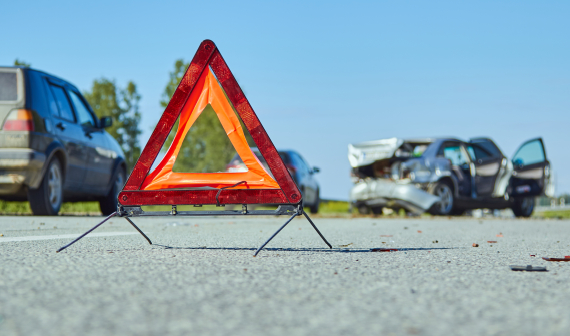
64	236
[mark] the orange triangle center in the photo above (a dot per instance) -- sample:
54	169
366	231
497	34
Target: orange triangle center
209	91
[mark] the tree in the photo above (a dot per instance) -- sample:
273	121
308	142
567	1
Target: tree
17	62
122	105
206	147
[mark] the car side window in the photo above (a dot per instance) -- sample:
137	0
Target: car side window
62	102
84	117
478	153
454	154
488	146
529	153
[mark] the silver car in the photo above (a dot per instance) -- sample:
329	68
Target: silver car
447	176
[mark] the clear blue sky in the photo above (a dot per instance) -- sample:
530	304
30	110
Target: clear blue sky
323	74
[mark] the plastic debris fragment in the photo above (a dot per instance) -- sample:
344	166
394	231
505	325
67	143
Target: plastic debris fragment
491	241
566	258
475	245
382	249
528	268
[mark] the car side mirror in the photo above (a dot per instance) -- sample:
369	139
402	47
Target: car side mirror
106	122
316	170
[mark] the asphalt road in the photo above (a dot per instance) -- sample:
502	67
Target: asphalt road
200	277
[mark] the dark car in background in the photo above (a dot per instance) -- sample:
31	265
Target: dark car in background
53	148
447	176
300	171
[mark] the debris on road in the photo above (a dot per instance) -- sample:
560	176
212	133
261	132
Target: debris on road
491	241
382	249
419	231
500	235
566	258
386	235
347	245
475	245
435	241
528	268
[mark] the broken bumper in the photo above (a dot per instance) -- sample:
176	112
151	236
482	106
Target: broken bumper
386	193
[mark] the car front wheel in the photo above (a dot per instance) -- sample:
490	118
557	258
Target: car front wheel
46	200
523	207
444	206
108	205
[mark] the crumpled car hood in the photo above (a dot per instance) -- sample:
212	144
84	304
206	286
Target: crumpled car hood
366	153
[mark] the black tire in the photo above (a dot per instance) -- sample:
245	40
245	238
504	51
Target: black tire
363	209
523	207
315	207
377	210
109	204
46	200
444	207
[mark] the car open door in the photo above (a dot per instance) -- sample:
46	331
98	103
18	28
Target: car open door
531	170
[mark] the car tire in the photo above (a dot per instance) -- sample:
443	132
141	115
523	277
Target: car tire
523	207
377	210
46	200
109	204
444	207
315	207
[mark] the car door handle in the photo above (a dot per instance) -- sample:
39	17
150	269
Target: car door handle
88	134
61	126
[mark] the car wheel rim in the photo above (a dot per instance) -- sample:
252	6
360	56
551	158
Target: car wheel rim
446	199
54	186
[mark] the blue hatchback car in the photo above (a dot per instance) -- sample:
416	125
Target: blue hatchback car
53	148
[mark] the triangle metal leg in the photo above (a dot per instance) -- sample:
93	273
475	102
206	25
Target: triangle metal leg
96	226
315	227
287	222
86	233
139	230
275	234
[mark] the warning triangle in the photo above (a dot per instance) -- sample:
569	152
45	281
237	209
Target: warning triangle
208	81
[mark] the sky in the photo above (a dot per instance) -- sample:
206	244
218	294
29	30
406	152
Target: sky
323	74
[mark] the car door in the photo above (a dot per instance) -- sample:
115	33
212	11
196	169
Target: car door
461	167
487	166
70	133
99	157
531	169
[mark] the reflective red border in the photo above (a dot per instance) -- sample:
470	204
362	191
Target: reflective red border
208	55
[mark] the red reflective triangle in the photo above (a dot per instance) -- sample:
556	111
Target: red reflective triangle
134	193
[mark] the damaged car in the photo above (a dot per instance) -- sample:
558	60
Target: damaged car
447	176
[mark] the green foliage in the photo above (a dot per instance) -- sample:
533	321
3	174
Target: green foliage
107	100
17	62
206	147
23	208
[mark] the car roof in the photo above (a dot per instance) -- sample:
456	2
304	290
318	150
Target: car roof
23	68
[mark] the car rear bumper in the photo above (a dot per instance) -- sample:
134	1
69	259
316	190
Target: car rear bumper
19	167
386	193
